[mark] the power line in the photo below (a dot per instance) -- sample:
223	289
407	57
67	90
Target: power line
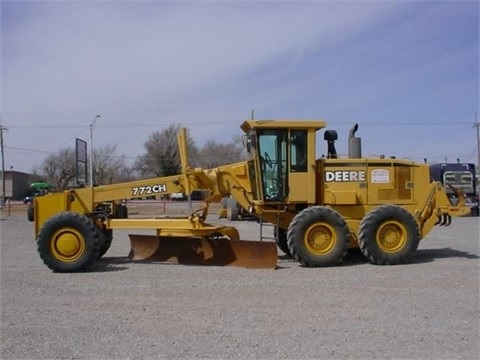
28	150
203	123
227	154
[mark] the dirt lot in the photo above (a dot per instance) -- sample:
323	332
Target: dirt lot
427	309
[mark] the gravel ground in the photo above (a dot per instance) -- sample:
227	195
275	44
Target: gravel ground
427	309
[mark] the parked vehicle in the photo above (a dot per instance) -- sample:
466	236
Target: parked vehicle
473	205
177	196
460	176
321	207
38	188
31	195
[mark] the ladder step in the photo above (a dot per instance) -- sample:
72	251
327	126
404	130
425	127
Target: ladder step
268	224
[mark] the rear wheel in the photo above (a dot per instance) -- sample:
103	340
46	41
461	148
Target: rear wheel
233	211
318	236
388	235
69	242
280	236
224	202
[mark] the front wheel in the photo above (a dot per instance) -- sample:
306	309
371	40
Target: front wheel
69	242
318	236
388	235
106	237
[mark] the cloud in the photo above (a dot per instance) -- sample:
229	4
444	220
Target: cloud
159	49
207	64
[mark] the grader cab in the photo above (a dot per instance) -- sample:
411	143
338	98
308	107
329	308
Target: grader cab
320	207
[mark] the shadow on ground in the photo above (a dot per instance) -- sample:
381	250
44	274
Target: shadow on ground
353	258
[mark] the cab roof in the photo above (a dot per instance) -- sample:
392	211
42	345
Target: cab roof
283	124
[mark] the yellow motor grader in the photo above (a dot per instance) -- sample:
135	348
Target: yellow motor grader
320	207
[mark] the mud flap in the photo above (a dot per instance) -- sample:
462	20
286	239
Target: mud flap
204	251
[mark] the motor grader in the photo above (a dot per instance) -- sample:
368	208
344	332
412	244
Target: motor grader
320	207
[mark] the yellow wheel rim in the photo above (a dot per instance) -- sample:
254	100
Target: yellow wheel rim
391	236
320	238
67	245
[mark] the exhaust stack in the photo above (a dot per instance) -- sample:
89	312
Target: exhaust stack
354	144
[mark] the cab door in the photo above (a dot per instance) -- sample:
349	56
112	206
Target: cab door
272	145
302	173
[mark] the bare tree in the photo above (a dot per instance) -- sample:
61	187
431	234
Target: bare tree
108	167
214	154
59	168
126	173
162	156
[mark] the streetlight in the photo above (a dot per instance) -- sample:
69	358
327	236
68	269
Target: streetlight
477	125
92	125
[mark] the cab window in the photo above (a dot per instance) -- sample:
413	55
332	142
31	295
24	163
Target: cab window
298	151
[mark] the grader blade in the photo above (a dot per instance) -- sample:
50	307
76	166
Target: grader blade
204	251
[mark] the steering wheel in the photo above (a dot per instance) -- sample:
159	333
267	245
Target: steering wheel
268	161
272	191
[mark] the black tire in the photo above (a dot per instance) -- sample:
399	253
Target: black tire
121	212
224	202
233	211
30	213
106	237
69	242
388	235
280	236
475	211
318	236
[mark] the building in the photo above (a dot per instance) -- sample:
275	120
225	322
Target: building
17	184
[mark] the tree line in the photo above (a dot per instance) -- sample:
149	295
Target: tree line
161	158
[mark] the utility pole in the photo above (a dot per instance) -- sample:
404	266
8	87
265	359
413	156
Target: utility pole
2	129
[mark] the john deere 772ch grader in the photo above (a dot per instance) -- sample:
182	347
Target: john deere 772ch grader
320	207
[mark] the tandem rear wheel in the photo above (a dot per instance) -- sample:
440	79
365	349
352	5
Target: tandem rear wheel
388	235
70	242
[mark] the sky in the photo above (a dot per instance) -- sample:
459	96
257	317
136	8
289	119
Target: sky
407	72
